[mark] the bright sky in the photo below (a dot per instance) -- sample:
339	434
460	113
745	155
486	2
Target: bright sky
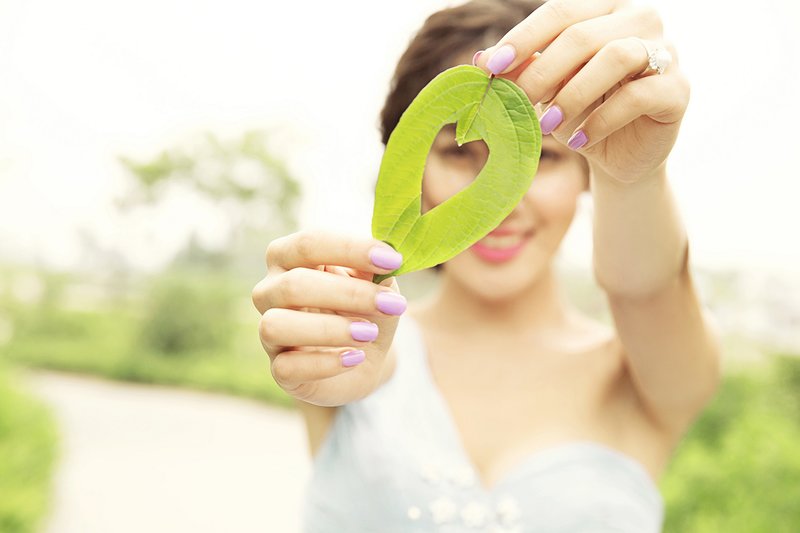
84	81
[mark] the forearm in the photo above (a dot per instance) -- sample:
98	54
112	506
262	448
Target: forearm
640	244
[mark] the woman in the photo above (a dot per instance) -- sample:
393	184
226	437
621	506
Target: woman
495	405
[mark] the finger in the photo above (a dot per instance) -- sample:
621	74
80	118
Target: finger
616	61
292	369
539	29
579	43
662	98
304	287
310	249
282	328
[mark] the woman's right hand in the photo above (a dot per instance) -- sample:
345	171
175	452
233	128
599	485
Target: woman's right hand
326	327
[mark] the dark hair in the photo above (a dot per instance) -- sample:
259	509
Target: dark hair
446	35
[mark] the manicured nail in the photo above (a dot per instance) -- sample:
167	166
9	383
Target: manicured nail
364	331
385	257
577	140
475	58
390	303
551	119
501	59
353	357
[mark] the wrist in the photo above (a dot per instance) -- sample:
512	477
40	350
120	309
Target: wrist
600	176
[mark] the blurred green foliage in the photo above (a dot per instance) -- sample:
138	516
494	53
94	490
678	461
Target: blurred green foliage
187	312
219	169
241	178
738	469
184	328
27	452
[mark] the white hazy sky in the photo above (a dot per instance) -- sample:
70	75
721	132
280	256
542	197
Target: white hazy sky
84	81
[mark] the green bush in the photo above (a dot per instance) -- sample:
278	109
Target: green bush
27	451
108	343
187	313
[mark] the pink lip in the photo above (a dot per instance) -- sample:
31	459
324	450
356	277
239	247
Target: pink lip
498	255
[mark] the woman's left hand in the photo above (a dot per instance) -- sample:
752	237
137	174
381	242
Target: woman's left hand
623	123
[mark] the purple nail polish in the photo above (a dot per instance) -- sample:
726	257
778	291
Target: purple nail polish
390	303
476	57
551	119
364	331
352	357
577	140
501	59
385	257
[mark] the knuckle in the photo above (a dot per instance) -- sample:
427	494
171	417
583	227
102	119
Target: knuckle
274	251
683	91
685	87
578	36
533	78
599	123
561	10
267	326
290	285
282	369
353	249
332	329
304	244
355	293
625	53
649	17
670	47
634	97
573	95
257	296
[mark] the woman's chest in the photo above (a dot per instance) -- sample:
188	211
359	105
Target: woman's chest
507	409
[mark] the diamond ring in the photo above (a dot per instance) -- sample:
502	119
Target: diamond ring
658	59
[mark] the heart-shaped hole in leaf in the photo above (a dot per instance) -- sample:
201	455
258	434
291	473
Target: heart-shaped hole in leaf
505	120
451	167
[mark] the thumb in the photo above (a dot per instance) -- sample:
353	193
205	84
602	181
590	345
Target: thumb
391	283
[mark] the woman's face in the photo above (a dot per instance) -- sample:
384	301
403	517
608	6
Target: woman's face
522	247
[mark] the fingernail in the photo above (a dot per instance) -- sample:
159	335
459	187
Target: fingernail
385	257
390	303
364	331
501	59
353	357
577	140
475	58
551	119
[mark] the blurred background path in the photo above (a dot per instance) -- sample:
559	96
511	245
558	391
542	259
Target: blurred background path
142	458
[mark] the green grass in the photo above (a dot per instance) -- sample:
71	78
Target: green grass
27	452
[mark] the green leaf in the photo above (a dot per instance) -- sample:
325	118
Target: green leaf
506	121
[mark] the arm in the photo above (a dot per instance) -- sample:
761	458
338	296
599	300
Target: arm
624	119
641	261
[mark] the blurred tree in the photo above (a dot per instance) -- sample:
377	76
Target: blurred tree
241	178
191	306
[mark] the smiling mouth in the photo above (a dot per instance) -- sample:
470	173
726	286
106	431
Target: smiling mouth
499	248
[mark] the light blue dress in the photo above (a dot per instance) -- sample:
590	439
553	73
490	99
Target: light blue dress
394	462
